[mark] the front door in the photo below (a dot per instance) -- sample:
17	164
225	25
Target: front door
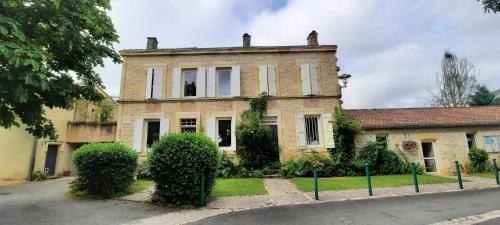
429	159
50	160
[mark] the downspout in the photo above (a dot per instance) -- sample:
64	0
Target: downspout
33	157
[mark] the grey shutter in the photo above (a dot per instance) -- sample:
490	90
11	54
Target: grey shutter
300	132
164	126
235	81
305	79
271	80
149	78
201	82
176	83
263	79
158	83
137	141
210	128
313	71
326	124
211	81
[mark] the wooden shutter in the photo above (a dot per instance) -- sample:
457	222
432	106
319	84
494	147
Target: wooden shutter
149	78
301	132
200	82
210	128
313	71
235	81
164	126
326	120
137	145
233	132
158	83
211	81
305	79
176	83
271	79
263	79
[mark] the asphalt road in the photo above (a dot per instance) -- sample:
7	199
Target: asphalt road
409	210
46	202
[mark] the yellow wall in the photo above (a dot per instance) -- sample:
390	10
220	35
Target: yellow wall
448	144
16	146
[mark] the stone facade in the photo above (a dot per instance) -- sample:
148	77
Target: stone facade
285	106
449	144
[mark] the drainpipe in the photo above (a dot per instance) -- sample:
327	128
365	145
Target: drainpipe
33	157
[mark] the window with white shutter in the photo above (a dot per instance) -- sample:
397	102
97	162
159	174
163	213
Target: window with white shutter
326	124
138	128
157	89
309	79
300	131
267	79
175	90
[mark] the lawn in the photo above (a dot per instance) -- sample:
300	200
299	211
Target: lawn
137	186
343	183
239	187
485	175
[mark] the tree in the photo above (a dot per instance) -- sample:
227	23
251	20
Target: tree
345	130
455	83
43	43
491	5
483	97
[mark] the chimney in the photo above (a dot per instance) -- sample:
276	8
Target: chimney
312	39
152	43
246	40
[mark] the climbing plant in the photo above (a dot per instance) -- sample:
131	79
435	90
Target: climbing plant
345	130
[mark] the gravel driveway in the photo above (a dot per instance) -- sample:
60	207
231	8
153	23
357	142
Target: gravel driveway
47	202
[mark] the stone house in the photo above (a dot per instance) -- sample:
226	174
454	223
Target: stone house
74	128
206	90
433	137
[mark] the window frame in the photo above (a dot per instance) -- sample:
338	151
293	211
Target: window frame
188	126
146	132
232	133
472	142
495	138
386	136
318	128
217	88
429	158
183	79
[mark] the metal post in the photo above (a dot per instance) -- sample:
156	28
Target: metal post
415	179
367	170
315	172
202	190
495	168
459	176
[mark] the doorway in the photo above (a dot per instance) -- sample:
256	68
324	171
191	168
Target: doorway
272	123
429	158
51	159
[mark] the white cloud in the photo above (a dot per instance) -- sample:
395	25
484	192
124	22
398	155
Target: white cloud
392	48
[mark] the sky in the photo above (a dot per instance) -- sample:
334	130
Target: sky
392	49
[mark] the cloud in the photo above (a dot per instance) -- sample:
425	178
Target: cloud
392	48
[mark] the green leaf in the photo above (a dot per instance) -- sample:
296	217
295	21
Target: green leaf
3	30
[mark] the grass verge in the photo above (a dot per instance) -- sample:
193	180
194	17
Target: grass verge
490	175
344	183
137	186
239	187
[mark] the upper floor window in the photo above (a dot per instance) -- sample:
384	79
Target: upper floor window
312	130
188	125
223	82
189	82
154	83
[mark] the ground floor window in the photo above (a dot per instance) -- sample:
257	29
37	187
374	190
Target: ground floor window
153	132
272	123
492	143
470	141
429	158
188	125
224	132
312	130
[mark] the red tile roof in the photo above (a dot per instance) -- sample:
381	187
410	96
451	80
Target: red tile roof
427	117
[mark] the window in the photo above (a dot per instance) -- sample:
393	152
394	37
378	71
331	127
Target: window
153	134
223	81
312	130
492	143
382	139
224	132
429	159
189	82
471	142
272	123
152	84
188	125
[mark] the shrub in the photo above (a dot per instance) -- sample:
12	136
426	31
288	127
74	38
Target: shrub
256	146
176	164
381	160
38	176
143	171
227	168
304	166
478	160
104	168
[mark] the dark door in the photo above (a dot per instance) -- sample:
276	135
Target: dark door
50	159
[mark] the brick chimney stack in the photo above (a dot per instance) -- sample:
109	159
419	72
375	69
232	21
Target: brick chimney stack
246	40
312	39
152	43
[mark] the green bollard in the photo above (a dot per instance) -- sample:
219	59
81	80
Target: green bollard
202	190
369	179
495	168
459	176
415	179
315	172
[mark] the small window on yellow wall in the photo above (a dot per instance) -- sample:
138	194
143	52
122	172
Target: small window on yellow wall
188	125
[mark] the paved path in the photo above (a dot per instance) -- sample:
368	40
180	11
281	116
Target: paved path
283	192
46	202
408	210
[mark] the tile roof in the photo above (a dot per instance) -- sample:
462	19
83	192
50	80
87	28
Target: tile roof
427	117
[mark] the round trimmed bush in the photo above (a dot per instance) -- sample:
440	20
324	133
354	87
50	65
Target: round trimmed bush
176	164
104	168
